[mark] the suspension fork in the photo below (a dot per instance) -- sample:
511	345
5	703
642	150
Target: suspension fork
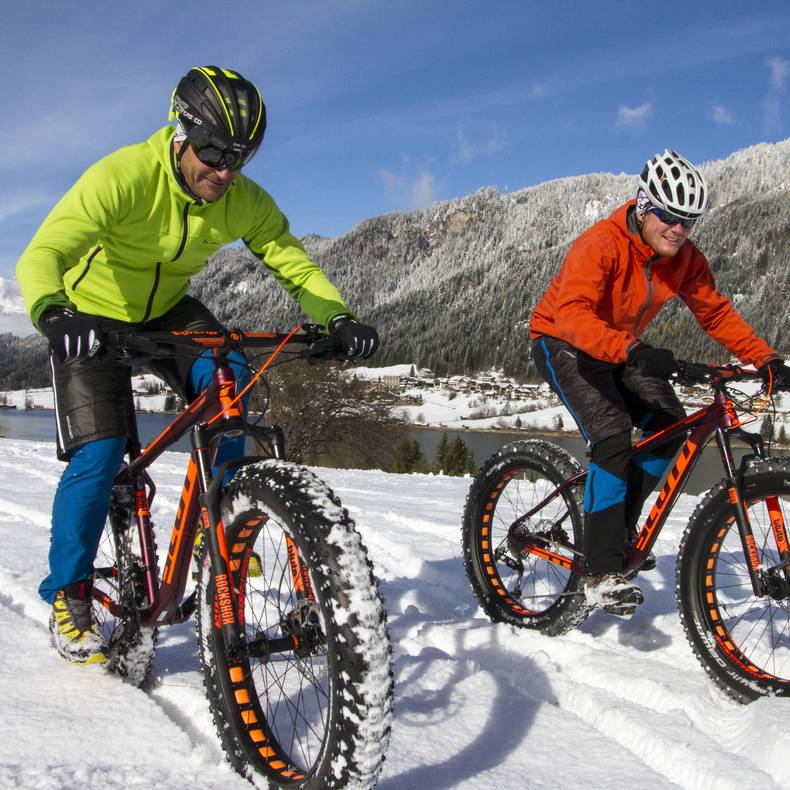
734	482
226	609
299	573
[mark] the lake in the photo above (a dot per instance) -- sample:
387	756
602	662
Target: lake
39	425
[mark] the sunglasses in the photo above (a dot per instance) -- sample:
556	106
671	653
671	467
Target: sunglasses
212	156
671	219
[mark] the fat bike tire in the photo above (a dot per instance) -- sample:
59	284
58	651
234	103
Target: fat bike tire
317	715
119	592
520	588
742	640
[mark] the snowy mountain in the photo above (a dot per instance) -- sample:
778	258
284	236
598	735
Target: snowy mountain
13	317
452	286
614	704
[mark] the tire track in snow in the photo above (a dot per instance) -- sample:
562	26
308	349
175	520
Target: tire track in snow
683	711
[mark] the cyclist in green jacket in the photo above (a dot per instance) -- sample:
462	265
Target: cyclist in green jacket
119	249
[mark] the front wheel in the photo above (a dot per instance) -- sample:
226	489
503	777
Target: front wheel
742	640
511	584
308	701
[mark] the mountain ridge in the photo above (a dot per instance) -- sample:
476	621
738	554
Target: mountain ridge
451	286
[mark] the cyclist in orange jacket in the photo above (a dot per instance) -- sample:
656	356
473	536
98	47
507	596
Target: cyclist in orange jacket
586	343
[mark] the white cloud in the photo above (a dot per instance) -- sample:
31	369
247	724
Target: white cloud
780	72
629	117
20	202
412	190
775	102
720	115
466	151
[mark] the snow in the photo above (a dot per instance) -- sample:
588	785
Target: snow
615	703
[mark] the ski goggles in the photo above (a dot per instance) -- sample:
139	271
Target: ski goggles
672	219
220	158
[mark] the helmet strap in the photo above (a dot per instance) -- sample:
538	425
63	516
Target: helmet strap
176	159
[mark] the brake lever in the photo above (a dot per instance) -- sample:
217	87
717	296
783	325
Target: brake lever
322	350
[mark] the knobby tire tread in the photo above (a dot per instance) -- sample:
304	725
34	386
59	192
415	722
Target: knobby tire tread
358	651
568	609
702	597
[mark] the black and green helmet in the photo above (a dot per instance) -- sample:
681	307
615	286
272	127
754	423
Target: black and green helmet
220	111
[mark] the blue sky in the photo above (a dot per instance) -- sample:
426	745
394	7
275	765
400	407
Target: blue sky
378	107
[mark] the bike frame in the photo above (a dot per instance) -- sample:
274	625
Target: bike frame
720	419
213	413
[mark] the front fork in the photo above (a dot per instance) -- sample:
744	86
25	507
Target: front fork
226	598
734	482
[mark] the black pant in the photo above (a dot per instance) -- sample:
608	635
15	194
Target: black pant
607	401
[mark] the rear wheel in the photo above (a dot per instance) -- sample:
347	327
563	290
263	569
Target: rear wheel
742	640
310	703
512	585
119	592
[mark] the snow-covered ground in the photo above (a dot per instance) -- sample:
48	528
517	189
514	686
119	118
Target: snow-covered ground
615	704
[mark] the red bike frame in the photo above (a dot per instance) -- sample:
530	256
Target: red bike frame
719	419
213	413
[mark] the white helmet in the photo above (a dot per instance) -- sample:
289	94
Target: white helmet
674	184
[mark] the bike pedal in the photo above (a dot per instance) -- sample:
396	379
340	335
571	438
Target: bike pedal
621	610
649	564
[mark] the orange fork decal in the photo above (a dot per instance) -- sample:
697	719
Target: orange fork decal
223	582
297	573
224	602
778	526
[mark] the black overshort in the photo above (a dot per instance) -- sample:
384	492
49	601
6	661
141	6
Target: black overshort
93	396
604	398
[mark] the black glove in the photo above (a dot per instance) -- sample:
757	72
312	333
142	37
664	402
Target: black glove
356	340
71	335
777	369
656	362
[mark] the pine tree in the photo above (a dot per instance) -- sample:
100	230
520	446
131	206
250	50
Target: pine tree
409	458
454	459
441	459
462	458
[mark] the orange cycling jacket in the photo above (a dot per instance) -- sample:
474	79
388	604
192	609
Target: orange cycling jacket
611	285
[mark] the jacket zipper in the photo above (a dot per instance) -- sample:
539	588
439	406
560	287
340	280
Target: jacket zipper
87	266
649	299
158	270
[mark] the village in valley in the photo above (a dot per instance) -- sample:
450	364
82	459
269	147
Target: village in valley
483	401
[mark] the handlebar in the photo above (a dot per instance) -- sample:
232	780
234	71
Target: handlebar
141	345
713	375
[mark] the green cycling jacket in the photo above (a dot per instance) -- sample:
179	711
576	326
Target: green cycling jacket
125	240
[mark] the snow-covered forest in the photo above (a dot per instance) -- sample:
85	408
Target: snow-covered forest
451	287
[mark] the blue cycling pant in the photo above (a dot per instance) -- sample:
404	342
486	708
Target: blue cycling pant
82	497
